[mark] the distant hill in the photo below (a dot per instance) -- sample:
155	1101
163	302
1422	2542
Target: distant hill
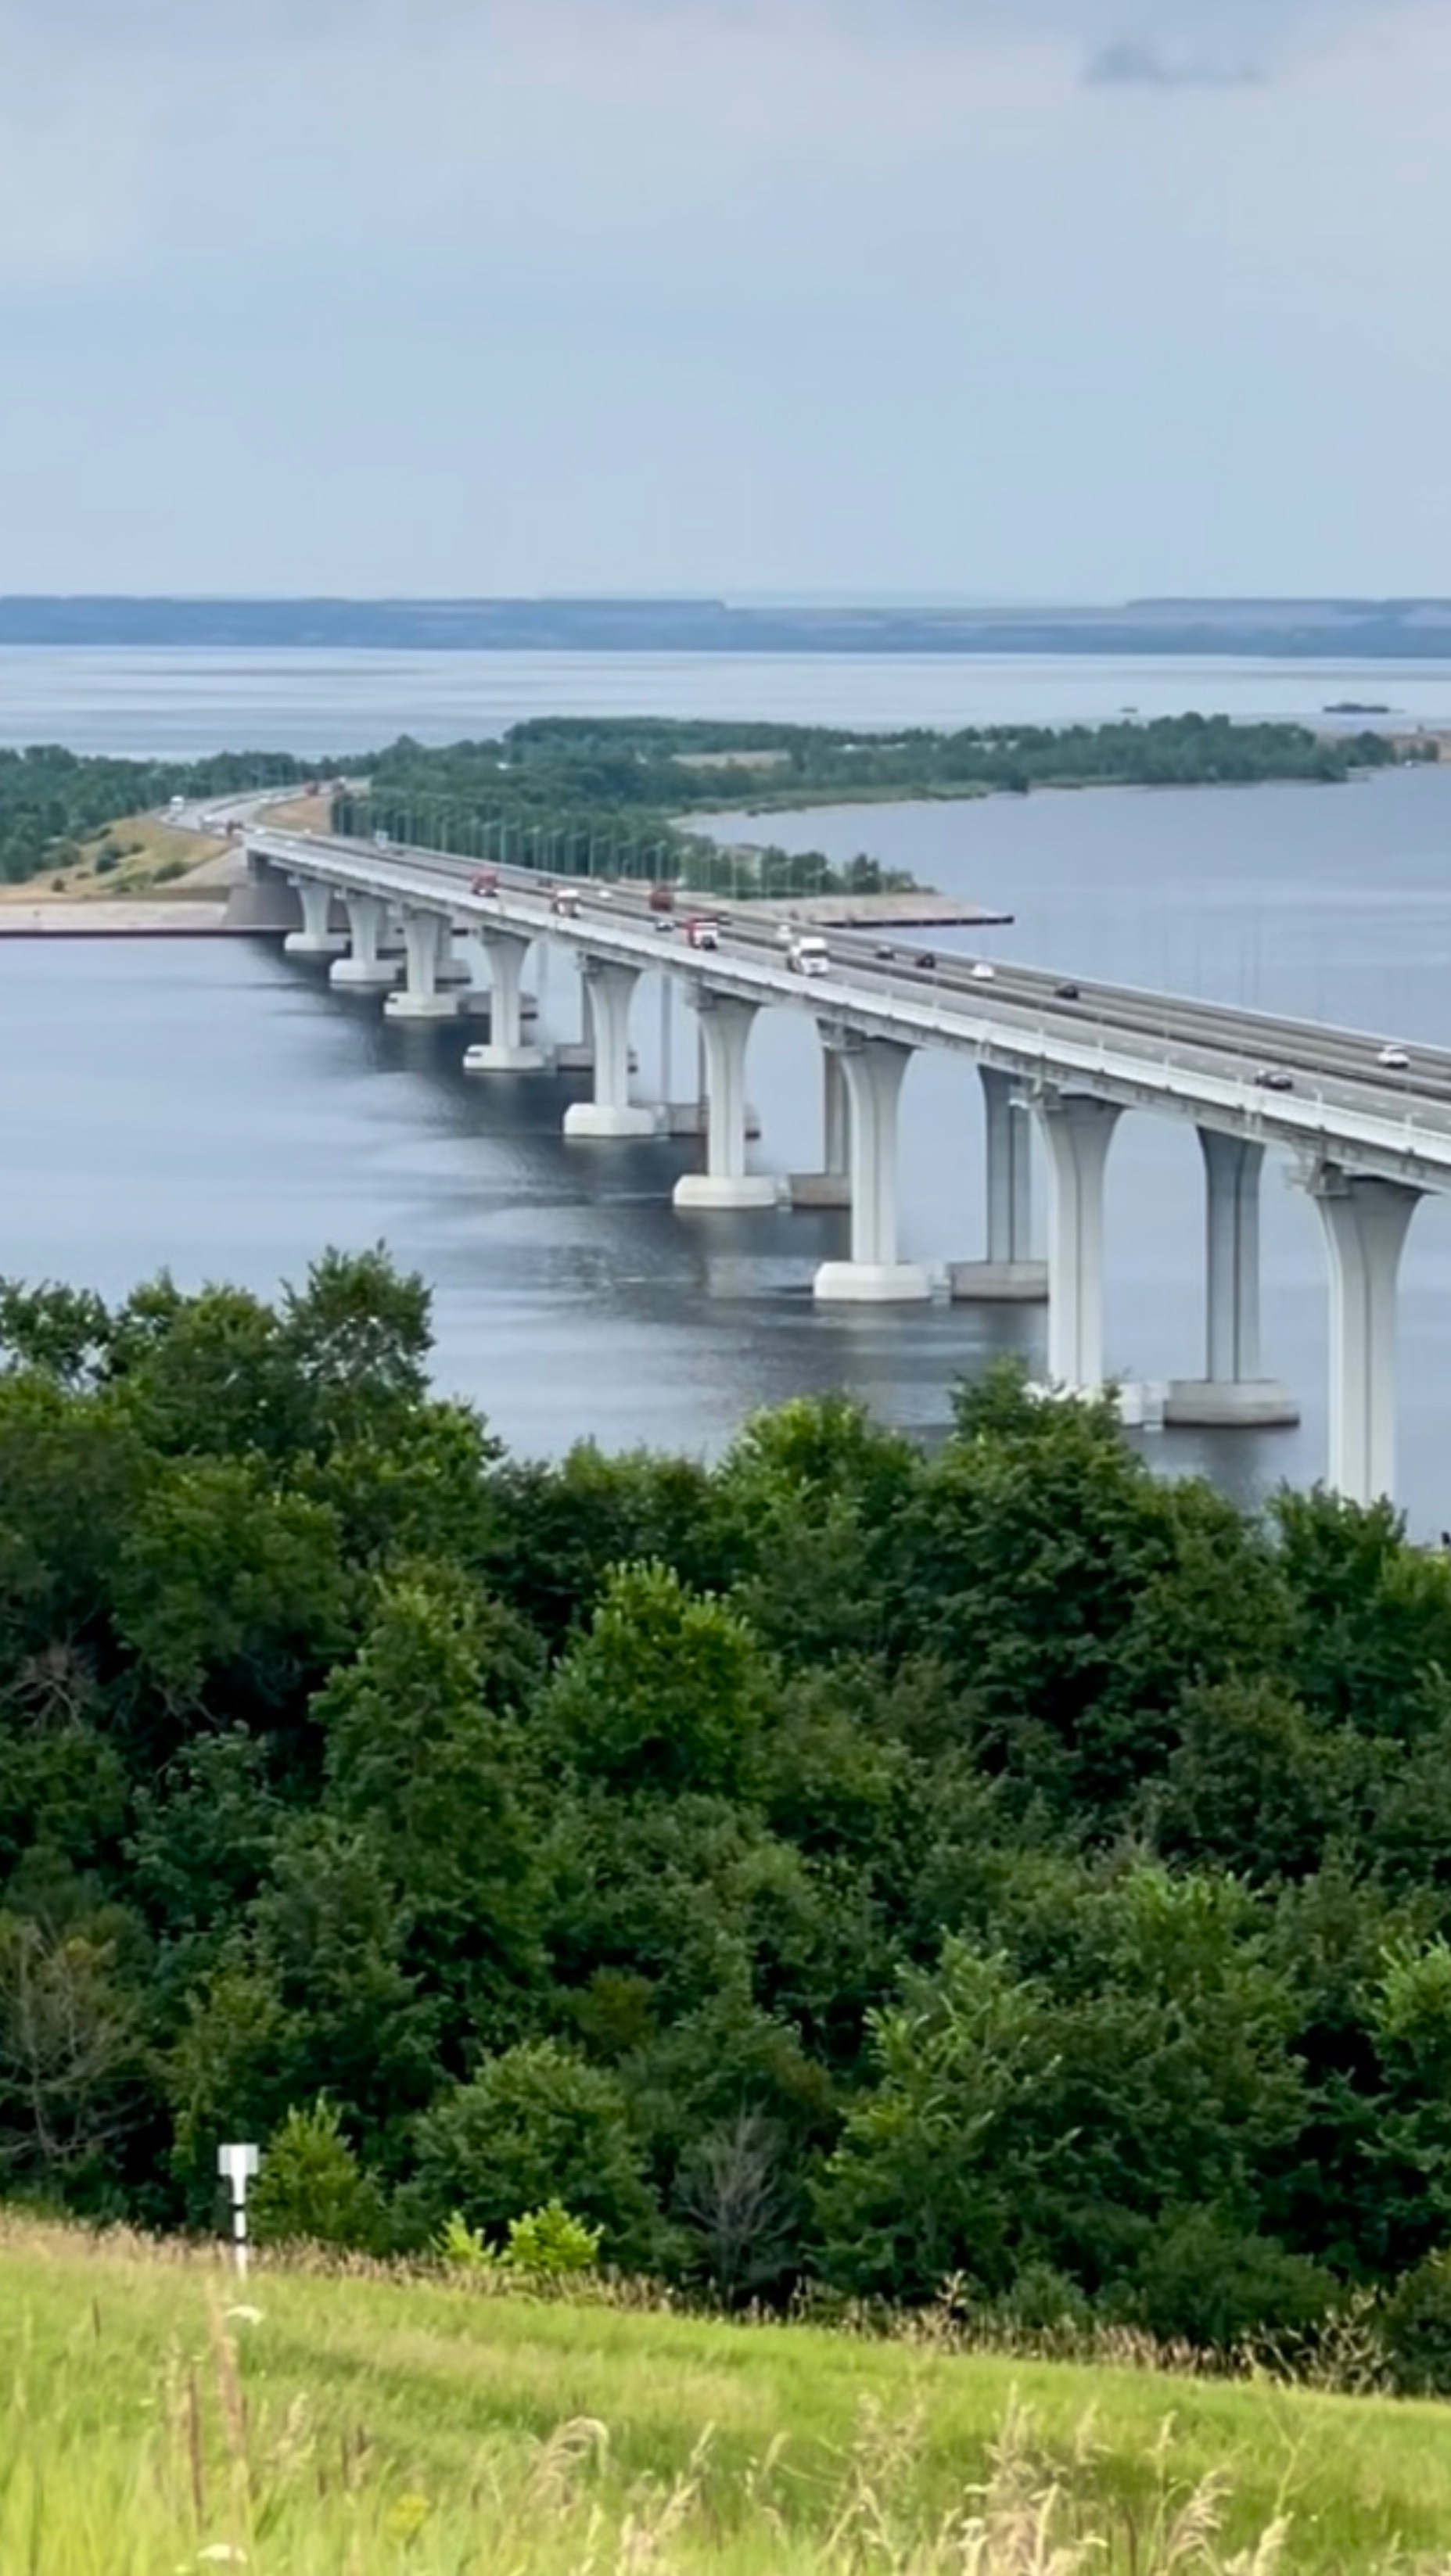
1345	629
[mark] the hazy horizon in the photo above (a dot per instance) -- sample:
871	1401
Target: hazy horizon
987	301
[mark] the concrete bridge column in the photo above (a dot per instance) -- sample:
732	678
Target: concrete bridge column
1366	1223
451	968
1232	1389
264	899
874	1070
316	938
1009	1275
424	934
1077	1131
835	1120
831	1186
505	952
609	991
725	1032
364	966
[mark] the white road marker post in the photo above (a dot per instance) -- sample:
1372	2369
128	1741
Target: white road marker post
237	2165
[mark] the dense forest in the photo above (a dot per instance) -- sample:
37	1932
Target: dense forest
842	1865
559	775
51	800
614	796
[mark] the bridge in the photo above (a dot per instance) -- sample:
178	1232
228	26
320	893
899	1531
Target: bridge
1366	1139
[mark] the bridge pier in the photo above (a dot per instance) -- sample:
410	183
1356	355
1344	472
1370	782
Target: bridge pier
1232	1389
874	1276
364	967
1077	1130
266	899
316	938
504	952
424	937
831	1186
1365	1224
1009	1276
725	1032
452	968
609	991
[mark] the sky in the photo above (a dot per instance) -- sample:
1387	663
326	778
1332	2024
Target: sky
1006	299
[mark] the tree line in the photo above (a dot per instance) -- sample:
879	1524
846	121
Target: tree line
840	1865
52	800
614	796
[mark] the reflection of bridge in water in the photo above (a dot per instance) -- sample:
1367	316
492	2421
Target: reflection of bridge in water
1367	1138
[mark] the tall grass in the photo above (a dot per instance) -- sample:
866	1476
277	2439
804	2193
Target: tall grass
151	2419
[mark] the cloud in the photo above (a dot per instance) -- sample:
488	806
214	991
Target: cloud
312	140
1132	62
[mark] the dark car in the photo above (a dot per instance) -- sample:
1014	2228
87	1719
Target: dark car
926	962
1066	993
1273	1077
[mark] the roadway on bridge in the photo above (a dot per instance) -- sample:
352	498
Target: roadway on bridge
1331	1070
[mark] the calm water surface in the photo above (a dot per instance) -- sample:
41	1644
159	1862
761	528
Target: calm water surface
169	702
213	1108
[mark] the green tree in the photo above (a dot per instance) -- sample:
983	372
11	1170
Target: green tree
1076	1596
808	1502
665	1691
563	1529
534	2124
1370	1625
230	1590
421	1766
311	2189
929	2178
72	1478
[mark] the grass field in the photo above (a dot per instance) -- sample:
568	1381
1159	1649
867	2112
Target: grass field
153	2420
153	857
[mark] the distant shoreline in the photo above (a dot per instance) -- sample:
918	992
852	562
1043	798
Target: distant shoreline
1336	631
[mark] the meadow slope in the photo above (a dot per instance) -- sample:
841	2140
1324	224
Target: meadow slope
156	2419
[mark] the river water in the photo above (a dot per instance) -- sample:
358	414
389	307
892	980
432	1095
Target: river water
212	1108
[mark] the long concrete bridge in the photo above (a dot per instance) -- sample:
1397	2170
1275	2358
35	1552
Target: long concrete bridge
1366	1140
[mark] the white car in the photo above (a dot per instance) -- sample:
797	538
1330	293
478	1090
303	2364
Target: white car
982	973
1394	1059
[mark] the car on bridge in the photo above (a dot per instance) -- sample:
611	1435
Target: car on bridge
809	957
484	881
1394	1059
1273	1077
